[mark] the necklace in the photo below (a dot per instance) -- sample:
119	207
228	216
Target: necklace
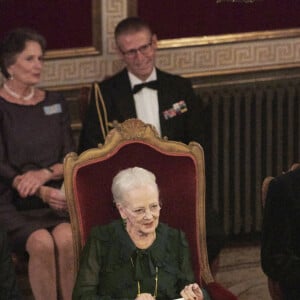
139	284
18	96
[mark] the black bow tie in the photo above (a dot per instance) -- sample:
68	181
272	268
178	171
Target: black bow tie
150	84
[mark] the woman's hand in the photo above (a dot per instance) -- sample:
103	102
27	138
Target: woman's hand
145	296
57	171
28	183
192	292
54	197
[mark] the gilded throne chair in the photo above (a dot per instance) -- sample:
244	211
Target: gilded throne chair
180	173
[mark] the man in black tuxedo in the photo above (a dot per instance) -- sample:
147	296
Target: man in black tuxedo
143	91
280	250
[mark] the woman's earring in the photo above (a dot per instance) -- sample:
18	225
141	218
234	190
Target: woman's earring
124	222
11	77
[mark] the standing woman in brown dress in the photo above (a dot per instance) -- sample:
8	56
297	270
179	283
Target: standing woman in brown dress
35	136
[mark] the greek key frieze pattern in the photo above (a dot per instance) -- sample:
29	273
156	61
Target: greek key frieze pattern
239	55
114	11
180	61
75	71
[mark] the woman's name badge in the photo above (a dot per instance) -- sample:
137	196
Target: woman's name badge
52	109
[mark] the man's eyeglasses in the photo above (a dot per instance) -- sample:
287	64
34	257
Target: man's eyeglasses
141	212
145	49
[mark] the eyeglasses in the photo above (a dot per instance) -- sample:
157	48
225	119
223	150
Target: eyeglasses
141	211
145	49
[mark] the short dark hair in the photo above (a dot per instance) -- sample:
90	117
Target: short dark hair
13	43
131	24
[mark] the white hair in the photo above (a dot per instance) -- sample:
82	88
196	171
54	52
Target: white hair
129	179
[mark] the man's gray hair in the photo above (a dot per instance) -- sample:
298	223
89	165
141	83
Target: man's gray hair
131	24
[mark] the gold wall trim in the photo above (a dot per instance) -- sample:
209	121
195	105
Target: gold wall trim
228	38
72	52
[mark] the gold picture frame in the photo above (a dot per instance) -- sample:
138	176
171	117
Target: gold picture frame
228	38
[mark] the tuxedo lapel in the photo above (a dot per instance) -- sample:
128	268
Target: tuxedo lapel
124	96
164	100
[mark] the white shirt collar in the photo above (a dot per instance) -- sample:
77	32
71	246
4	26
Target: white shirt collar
135	80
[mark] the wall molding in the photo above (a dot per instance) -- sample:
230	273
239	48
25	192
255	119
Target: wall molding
187	57
187	61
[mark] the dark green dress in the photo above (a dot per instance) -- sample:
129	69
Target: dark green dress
111	265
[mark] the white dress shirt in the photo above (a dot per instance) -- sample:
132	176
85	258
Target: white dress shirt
146	101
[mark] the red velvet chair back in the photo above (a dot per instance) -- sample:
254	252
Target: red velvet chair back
179	170
176	178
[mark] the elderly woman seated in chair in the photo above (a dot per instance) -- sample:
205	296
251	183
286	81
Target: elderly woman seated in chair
136	257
